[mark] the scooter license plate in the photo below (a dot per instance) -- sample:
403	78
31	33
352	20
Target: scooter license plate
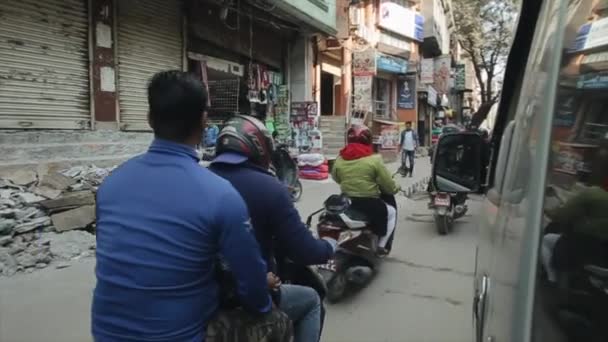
330	266
442	201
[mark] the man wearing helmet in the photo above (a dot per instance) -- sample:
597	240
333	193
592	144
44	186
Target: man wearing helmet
244	149
364	178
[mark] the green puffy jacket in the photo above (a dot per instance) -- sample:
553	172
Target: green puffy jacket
364	177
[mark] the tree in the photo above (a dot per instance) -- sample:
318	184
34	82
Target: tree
484	29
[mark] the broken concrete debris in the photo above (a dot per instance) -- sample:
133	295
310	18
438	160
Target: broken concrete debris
46	220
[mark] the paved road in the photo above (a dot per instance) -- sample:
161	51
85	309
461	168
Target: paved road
422	293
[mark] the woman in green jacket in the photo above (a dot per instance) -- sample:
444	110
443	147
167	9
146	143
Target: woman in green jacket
363	177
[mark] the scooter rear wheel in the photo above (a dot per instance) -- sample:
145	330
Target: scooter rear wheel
336	287
443	224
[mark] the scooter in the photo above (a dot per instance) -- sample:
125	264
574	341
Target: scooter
357	257
286	169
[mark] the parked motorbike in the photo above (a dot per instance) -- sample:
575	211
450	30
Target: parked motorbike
447	207
356	259
285	167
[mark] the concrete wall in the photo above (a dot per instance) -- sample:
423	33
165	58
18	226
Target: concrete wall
60	149
320	14
300	69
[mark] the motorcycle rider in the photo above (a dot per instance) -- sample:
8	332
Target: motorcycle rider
244	150
161	222
363	177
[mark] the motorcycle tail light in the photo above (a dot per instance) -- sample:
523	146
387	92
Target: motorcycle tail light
328	230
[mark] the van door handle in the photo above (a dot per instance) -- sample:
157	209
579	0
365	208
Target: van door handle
479	307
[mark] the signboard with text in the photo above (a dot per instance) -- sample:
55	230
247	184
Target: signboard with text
391	64
401	20
460	77
442	68
426	71
362	93
592	35
364	63
406	93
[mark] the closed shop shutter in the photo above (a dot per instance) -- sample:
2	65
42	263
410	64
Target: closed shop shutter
44	74
149	41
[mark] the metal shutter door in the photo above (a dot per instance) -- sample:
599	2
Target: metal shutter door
149	40
44	73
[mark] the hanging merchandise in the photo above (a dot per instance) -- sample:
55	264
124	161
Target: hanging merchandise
281	115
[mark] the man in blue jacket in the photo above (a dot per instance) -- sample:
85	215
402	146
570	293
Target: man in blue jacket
244	149
162	223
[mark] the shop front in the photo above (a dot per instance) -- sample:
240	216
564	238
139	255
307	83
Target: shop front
243	69
581	124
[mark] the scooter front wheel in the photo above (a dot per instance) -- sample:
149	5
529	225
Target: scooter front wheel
336	287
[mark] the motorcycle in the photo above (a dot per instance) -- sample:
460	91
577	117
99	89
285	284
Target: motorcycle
285	167
447	207
356	259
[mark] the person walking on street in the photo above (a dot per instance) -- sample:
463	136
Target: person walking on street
163	221
408	146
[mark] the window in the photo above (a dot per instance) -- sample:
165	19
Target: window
382	95
571	293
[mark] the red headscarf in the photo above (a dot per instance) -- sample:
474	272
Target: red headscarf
355	151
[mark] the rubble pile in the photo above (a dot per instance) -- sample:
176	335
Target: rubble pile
47	219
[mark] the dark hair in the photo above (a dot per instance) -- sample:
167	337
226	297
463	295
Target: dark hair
408	123
177	101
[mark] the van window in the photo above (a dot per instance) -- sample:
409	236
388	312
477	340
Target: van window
571	294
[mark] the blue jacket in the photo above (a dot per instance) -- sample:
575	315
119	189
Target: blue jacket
162	222
275	219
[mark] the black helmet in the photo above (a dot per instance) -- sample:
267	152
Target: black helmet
247	136
359	134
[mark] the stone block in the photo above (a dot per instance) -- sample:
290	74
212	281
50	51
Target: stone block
40	222
57	181
47	192
74	219
23	177
70	200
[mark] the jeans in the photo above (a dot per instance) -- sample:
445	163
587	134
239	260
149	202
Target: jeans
303	306
409	155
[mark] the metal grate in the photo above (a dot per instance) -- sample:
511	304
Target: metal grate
224	95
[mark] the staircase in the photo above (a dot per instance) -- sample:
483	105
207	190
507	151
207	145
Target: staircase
333	129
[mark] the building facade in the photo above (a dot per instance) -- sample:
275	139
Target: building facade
73	73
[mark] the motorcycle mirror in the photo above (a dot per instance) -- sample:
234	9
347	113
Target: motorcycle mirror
457	163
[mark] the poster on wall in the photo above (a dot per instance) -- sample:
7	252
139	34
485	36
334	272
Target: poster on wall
389	137
426	71
362	93
364	63
441	70
303	120
407	93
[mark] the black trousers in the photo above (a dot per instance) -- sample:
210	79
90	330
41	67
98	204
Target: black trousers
375	209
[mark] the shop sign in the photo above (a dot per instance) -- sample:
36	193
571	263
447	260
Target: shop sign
362	93
364	63
593	81
460	77
302	111
565	115
407	93
389	137
401	20
426	71
592	35
431	97
442	73
391	64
